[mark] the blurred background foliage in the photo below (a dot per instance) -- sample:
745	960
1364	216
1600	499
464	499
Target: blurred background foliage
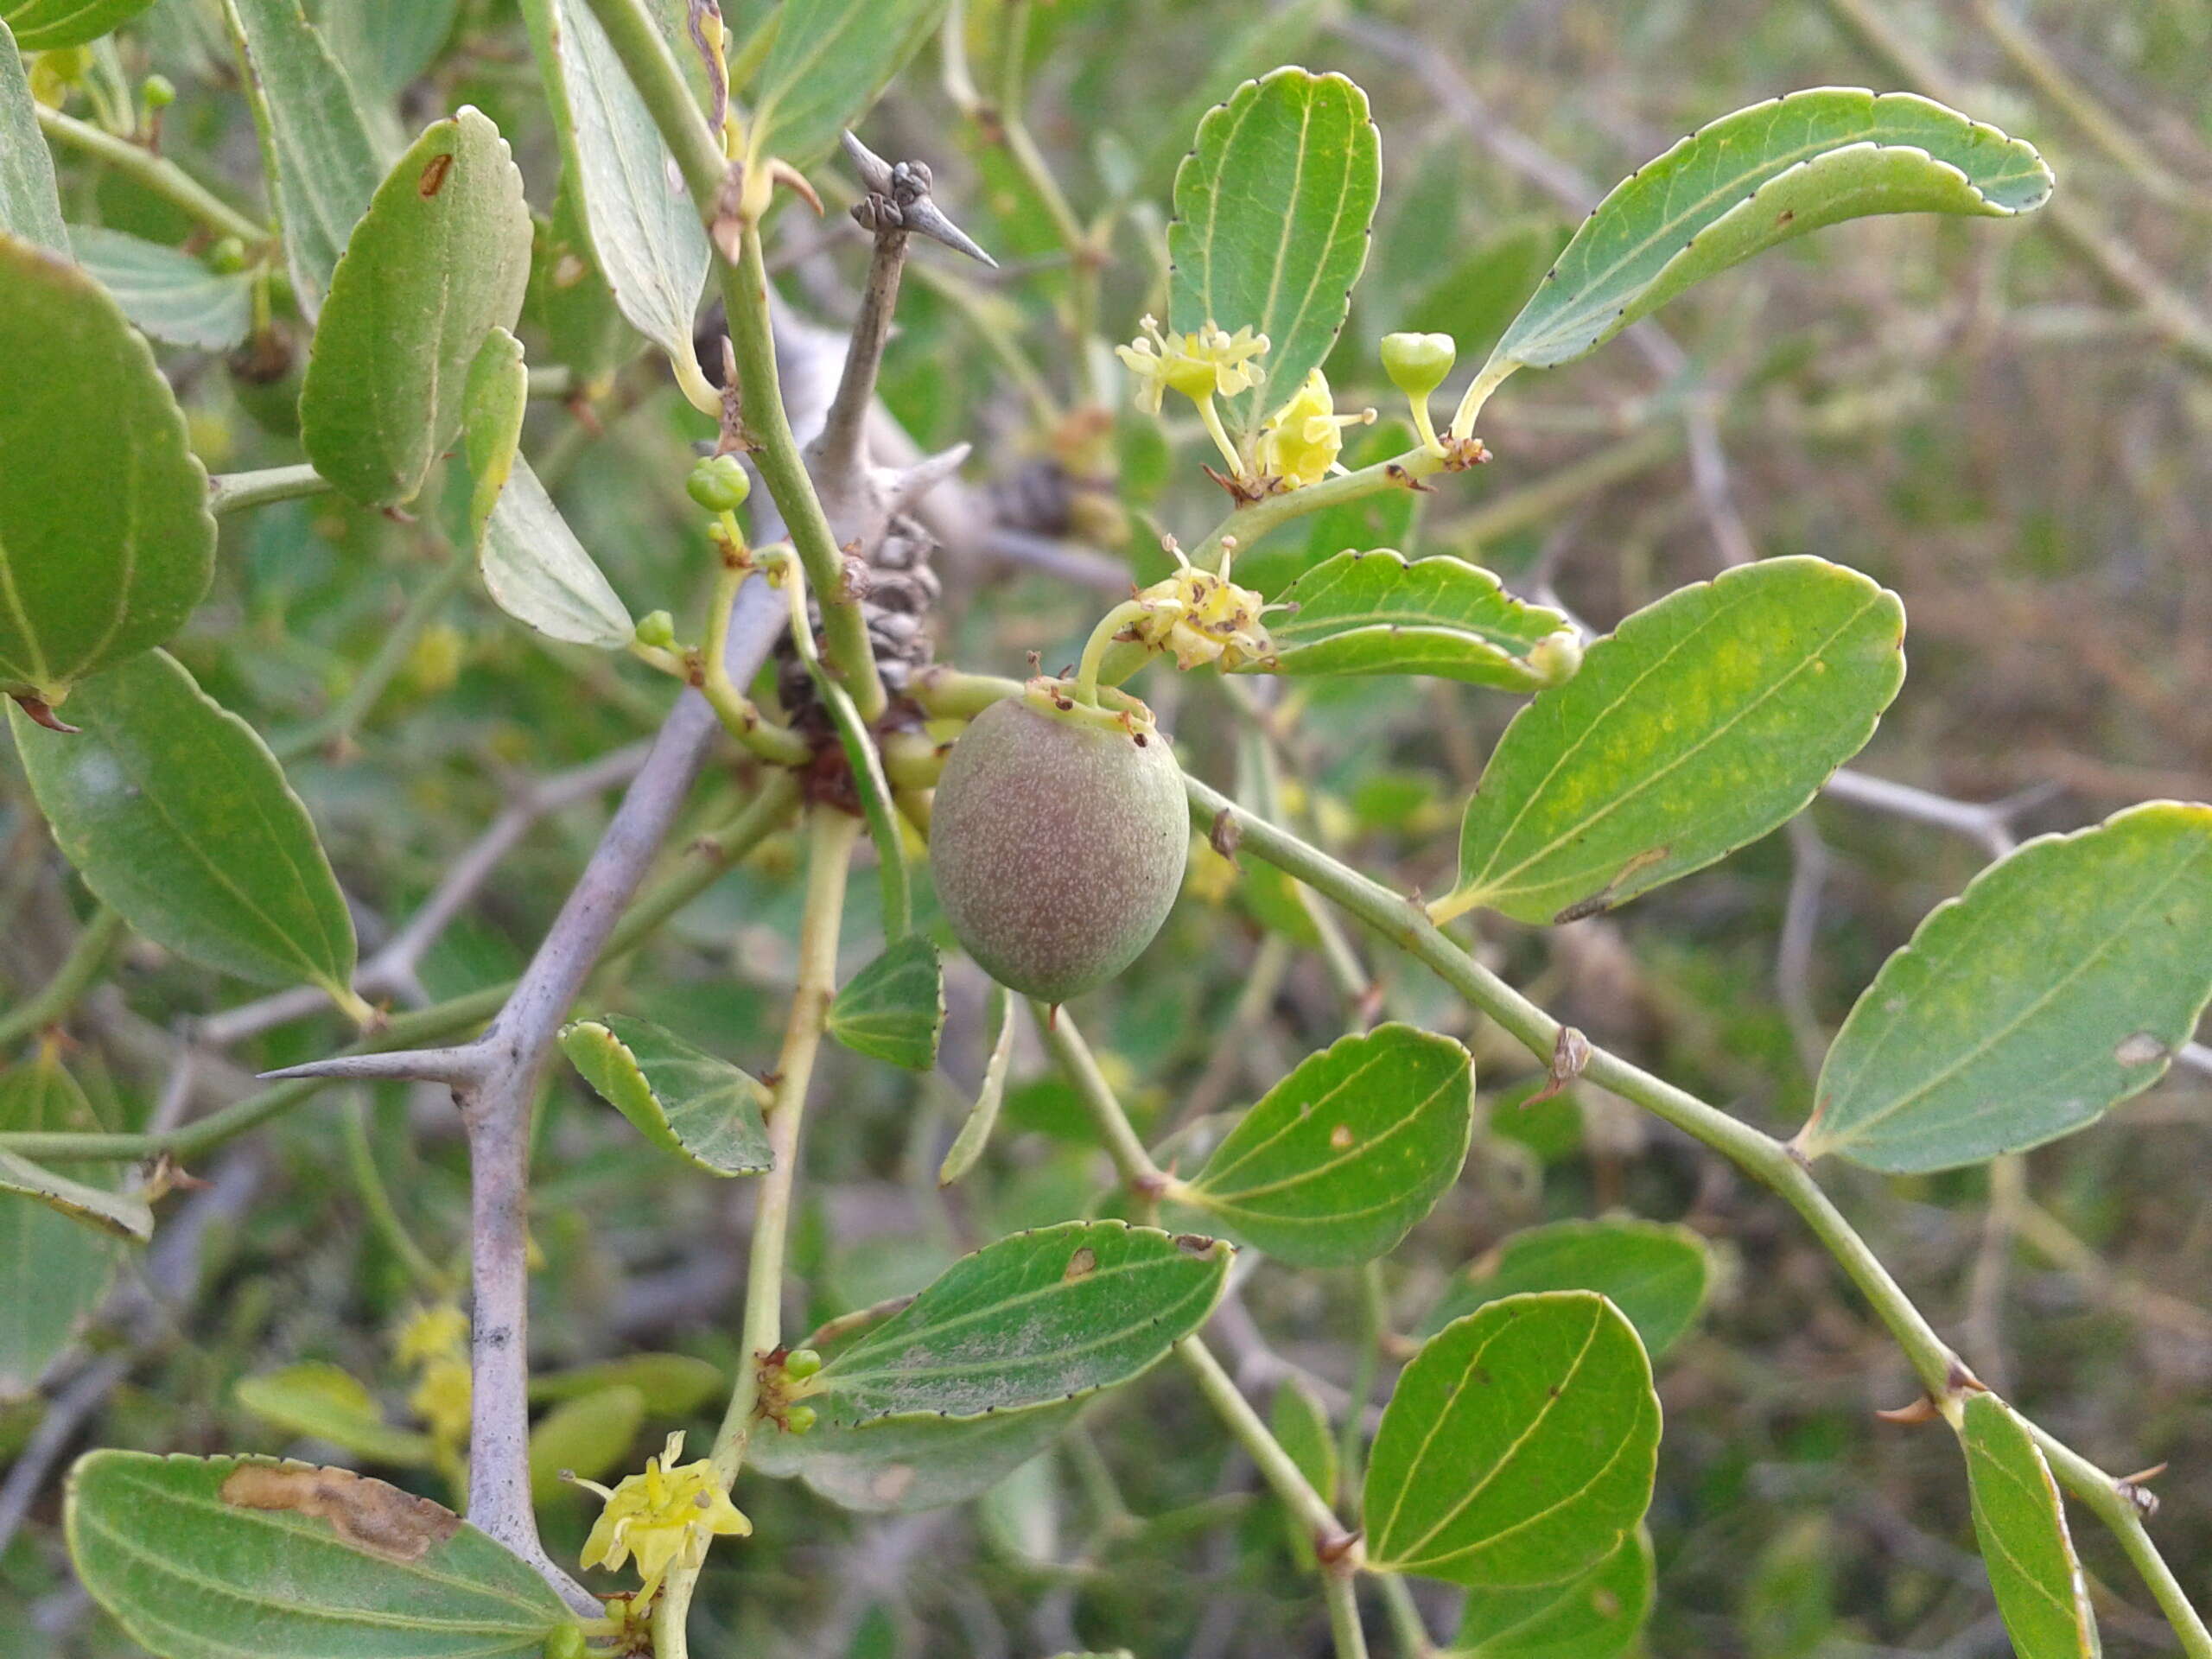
1989	422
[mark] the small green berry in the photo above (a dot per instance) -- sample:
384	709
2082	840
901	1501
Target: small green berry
227	256
1418	363
565	1641
801	1363
720	484
799	1419
656	630
157	91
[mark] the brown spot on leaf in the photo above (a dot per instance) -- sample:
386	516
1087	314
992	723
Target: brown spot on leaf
1081	1263
1195	1243
374	1516
433	175
1341	1137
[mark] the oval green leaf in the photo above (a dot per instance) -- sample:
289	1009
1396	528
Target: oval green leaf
1340	1158
43	25
1655	1273
105	540
210	1557
1519	1448
2057	985
491	415
2021	1523
1593	1616
177	816
1038	1318
322	163
537	572
1272	211
894	1008
1702	722
1379	612
30	206
1758	177
327	1403
123	1214
166	292
588	1437
642	231
441	259
53	1273
831	61
682	1099
896	1465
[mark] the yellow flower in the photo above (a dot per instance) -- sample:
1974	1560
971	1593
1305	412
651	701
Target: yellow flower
437	1332
1198	364
1202	617
1300	440
665	1516
441	1399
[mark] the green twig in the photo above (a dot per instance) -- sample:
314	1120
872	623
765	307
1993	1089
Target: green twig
53	1001
157	173
235	492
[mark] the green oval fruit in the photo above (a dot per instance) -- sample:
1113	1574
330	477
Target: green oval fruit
1058	847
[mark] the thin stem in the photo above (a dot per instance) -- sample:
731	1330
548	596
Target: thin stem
1277	1467
1374	1326
1406	1622
377	1204
1493	376
391	653
831	836
1344	1616
1145	1179
1101	642
1012	128
235	492
1403	922
1249	523
157	173
741	717
54	999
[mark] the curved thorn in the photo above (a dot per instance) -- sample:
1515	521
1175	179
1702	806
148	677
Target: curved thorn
874	171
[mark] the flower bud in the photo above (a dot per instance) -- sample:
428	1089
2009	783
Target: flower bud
720	484
227	256
799	1419
1418	363
1555	658
657	631
158	92
801	1363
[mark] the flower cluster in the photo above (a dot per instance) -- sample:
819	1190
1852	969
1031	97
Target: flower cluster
1202	618
664	1518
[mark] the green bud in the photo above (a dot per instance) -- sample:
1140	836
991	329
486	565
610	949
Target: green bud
801	1363
227	256
158	92
1555	658
565	1641
799	1419
720	484
1418	363
656	630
